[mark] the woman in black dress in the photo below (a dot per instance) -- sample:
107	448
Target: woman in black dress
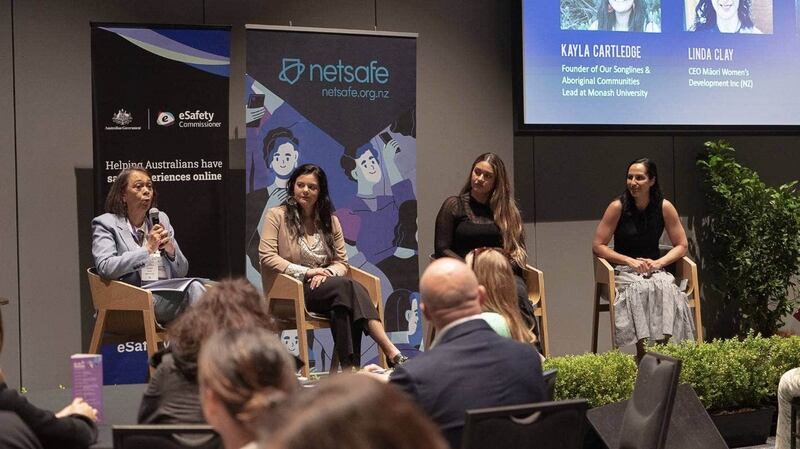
485	214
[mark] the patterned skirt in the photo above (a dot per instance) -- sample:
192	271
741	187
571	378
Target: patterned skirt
650	306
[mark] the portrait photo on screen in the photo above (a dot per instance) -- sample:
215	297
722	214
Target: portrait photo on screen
611	15
729	16
797	17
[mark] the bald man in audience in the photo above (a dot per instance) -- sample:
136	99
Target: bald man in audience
468	365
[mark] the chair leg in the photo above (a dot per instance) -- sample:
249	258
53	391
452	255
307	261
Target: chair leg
150	337
613	323
430	334
97	334
595	317
302	340
334	361
543	337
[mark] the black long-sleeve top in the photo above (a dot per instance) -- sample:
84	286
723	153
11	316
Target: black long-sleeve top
69	432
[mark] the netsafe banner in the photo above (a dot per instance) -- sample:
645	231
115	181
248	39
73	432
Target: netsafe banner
161	101
345	102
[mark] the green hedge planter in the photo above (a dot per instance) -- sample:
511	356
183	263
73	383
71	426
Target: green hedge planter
725	374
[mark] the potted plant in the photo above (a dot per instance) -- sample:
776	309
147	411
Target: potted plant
736	379
753	234
601	379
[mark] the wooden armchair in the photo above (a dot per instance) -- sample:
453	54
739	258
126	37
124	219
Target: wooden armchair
604	287
124	309
534	279
286	302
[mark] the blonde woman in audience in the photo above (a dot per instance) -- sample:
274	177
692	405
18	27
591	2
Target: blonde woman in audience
243	374
500	310
351	411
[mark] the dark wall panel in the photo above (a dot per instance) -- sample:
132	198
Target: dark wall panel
9	360
463	93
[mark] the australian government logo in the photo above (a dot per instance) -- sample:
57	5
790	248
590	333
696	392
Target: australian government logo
369	81
122	121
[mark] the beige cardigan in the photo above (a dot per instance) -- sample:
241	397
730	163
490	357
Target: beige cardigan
277	249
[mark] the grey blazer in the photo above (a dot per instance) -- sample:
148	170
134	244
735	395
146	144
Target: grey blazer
117	256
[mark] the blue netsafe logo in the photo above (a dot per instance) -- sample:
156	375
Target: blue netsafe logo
294	68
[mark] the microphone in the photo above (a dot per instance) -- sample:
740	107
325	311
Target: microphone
154	216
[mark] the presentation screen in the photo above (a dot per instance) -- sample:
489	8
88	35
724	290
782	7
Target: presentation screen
660	63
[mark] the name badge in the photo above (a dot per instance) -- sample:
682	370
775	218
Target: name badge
153	268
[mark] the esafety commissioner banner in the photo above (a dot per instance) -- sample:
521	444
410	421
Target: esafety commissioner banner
345	101
160	100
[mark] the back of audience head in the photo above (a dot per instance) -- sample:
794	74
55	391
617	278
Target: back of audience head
494	272
354	412
450	291
231	304
243	374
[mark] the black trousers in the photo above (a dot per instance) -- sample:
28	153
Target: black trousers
349	308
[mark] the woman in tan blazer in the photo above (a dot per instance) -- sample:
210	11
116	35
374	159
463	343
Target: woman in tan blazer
302	238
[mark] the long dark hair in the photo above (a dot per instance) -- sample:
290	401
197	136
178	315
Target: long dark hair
323	209
504	208
114	202
705	17
606	20
628	203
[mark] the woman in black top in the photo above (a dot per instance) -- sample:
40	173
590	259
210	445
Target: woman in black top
485	214
649	305
71	428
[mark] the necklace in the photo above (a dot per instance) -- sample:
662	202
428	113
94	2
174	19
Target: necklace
315	242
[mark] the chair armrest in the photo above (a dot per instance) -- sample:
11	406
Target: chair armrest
534	279
603	271
117	295
370	282
685	268
284	287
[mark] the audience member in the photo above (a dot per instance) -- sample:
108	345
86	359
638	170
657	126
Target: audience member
353	412
493	271
468	365
243	374
788	389
71	428
15	434
172	396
